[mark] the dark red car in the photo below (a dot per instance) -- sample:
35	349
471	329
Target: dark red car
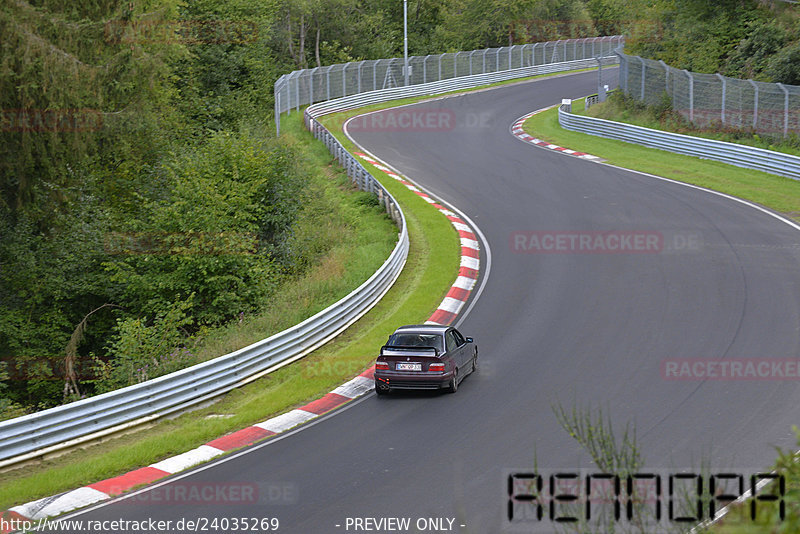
425	357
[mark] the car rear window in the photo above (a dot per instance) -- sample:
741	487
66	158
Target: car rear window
416	340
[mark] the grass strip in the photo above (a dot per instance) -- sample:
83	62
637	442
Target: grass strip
776	192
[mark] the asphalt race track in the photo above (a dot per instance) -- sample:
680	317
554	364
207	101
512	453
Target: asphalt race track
574	328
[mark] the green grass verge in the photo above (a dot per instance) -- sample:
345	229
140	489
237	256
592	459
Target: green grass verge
415	295
776	192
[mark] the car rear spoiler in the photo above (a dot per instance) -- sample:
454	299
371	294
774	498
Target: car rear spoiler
401	348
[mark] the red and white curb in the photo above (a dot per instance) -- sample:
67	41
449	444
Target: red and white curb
104	490
468	270
519	133
107	489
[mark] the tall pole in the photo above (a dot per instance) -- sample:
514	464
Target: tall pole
405	40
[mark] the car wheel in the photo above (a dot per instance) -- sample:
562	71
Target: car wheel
454	382
381	388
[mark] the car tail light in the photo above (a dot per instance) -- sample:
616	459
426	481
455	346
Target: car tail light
436	367
383	366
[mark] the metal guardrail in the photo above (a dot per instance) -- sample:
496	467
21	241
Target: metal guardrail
36	434
309	86
453	84
731	153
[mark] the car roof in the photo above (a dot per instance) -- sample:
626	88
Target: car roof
423	328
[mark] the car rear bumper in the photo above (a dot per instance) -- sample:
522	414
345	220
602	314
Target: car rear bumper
397	380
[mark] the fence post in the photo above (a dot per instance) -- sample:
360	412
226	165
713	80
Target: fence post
360	63
297	92
440	67
510	49
533	55
666	75
724	94
601	92
278	113
470	62
691	94
755	103
785	108
623	72
497	61
374	74
644	67
313	72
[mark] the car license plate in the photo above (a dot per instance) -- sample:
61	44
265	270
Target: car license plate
404	366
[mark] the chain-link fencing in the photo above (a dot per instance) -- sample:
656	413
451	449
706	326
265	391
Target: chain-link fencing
319	84
713	100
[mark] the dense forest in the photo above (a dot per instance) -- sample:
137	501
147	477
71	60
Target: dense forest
143	196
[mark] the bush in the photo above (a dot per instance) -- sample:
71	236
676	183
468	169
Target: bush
218	233
751	55
784	67
142	350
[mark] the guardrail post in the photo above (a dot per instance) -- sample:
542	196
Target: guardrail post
691	95
755	103
724	91
785	108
